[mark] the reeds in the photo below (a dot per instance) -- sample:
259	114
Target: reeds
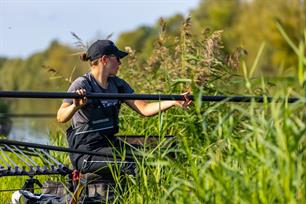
225	153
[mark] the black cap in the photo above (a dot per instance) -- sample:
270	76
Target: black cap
104	47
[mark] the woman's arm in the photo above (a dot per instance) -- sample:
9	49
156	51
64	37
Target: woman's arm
67	110
149	109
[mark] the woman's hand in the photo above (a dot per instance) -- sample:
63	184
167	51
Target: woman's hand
67	110
80	102
185	103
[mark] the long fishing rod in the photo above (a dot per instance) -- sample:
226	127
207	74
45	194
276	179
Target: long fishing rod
122	96
131	139
48	147
27	115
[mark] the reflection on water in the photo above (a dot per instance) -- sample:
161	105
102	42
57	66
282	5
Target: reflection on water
33	130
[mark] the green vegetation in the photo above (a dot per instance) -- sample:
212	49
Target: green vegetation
247	24
4	107
226	152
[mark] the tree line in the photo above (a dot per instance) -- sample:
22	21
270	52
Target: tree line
244	24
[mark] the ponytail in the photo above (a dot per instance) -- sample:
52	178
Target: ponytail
84	57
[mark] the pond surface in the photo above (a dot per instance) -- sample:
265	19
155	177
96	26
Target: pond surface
34	129
23	130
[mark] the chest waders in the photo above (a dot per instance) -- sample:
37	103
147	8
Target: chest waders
100	129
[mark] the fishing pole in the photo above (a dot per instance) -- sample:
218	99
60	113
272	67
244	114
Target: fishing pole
123	96
27	115
48	147
131	139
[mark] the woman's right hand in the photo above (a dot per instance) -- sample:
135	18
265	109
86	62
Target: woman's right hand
80	102
67	110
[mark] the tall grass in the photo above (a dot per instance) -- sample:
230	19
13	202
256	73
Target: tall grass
225	152
253	154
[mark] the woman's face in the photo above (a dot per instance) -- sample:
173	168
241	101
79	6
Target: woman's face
113	64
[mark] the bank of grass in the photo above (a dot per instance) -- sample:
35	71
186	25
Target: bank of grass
225	152
246	153
253	154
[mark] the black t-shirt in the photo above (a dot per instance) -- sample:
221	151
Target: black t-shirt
78	136
114	84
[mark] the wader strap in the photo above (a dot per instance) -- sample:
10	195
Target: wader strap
119	86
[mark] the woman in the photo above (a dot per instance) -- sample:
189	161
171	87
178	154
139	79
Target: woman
94	122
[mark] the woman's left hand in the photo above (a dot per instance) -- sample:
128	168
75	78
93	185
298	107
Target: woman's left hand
185	103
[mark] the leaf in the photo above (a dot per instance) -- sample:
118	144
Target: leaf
301	58
255	63
289	41
304	90
180	81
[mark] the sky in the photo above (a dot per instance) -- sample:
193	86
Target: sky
28	26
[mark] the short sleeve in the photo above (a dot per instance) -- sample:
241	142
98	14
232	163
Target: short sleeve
123	85
79	83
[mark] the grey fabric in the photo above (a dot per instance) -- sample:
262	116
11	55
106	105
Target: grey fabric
113	83
95	110
30	198
54	188
101	164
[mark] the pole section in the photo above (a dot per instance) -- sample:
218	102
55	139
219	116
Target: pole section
122	96
47	147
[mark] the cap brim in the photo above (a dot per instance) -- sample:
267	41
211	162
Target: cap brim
121	54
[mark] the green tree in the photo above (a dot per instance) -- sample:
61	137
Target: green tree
2	60
257	24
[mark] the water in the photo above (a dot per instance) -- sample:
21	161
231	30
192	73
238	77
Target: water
32	130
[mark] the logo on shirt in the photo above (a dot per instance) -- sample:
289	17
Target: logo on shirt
109	103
